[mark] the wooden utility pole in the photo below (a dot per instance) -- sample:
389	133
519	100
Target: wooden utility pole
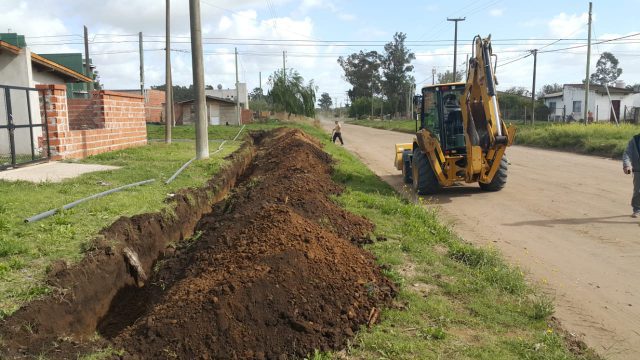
202	136
533	87
237	91
586	78
455	45
87	63
141	50
168	85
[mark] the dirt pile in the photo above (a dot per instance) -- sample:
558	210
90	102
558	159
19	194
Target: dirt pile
273	274
273	271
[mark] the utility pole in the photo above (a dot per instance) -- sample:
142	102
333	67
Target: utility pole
168	83
433	76
141	63
202	137
372	95
586	78
237	92
455	45
87	64
284	75
260	79
533	87
284	71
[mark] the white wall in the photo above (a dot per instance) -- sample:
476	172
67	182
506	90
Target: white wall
17	70
231	94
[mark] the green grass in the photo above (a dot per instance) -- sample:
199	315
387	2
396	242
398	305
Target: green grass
456	301
593	139
401	125
27	250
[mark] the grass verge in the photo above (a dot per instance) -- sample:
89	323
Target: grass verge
594	139
27	250
406	126
456	301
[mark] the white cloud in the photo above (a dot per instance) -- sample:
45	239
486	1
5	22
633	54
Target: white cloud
308	5
496	12
563	25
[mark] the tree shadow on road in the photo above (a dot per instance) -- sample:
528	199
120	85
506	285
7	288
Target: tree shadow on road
622	219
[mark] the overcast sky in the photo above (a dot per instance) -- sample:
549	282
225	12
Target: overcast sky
331	28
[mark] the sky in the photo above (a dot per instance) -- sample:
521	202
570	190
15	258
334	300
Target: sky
313	33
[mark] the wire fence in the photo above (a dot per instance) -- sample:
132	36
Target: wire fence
625	114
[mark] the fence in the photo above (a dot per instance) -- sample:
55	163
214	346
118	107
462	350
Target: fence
23	135
81	127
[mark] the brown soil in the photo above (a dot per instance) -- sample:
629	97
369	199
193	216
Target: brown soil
272	273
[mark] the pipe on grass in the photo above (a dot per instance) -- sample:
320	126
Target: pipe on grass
238	134
46	214
178	172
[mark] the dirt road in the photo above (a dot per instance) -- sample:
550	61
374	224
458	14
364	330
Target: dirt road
563	218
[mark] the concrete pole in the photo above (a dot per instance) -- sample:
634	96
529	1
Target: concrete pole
87	63
533	87
202	136
586	82
141	50
433	76
237	92
168	90
455	45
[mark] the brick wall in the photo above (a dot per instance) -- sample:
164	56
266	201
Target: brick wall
154	105
118	121
81	114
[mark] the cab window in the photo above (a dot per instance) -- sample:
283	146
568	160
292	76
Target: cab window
431	121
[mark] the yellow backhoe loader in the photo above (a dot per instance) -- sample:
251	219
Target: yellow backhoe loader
461	137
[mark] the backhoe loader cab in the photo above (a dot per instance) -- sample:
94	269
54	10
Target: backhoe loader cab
461	137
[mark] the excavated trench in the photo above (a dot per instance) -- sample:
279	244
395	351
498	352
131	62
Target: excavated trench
259	264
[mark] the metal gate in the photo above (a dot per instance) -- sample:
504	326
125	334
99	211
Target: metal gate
24	137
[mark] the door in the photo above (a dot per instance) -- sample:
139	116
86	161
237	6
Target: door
214	114
615	107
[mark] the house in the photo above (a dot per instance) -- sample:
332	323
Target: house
20	70
230	94
220	111
569	103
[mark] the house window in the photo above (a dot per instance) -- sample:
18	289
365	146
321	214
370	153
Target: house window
552	106
577	106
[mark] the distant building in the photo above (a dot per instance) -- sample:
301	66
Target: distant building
568	104
220	111
230	94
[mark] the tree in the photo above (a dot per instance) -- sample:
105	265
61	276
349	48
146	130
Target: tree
325	102
551	88
518	90
447	77
289	93
634	87
396	64
361	70
256	94
607	71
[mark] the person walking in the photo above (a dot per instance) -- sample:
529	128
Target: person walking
631	164
337	133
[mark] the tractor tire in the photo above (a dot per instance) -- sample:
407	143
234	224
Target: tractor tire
499	179
406	168
424	179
